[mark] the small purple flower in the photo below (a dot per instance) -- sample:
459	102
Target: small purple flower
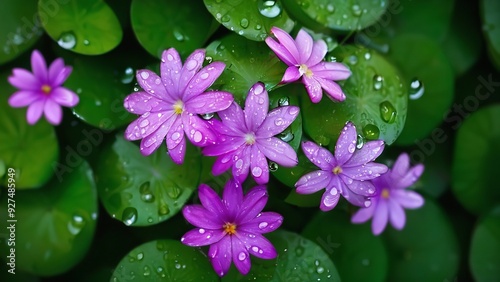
233	226
344	173
392	196
169	106
305	59
41	90
246	137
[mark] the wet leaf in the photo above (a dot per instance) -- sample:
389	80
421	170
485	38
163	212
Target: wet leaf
491	28
485	248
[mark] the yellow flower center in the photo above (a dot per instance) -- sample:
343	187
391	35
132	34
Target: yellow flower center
178	107
303	69
46	89
385	193
229	228
250	138
337	170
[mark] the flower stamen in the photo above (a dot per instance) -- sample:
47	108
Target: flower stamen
385	193
336	170
304	70
229	228
178	107
250	138
46	89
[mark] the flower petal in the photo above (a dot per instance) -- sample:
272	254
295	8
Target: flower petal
211	201
278	151
313	182
410	177
35	111
177	154
364	188
24	80
220	255
277	121
257	245
332	89
191	66
365	172
285	48
202	237
141	102
380	217
222	163
253	203
331	71
330	198
318	53
241	164
23	98
203	79
233	118
400	166
176	133
292	74
265	222
39	66
232	196
313	88
151	142
170	69
229	146
346	144
198	131
57	73
304	43
148	123
198	216
363	214
64	97
53	112
318	155
256	106
368	153
396	214
241	257
353	198
151	83
209	102
258	166
407	199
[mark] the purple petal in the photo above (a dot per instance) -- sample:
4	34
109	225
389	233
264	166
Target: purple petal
330	71
39	66
313	88
241	164
277	121
401	166
258	166
202	237
318	155
313	182
292	74
62	76
364	188
380	217
209	102
35	111
410	177
64	97
222	163
257	245
191	66
278	151
407	199
265	222
396	214
363	214
211	201
330	199
141	102
256	106
304	45
241	257
332	89
177	154
151	142
198	131
220	255
25	80
353	198
252	205
232	196
233	118
55	70
318	53
170	69
286	49
151	83
23	98
198	216
346	144
203	79
148	123
230	145
364	172
368	153
53	112
176	133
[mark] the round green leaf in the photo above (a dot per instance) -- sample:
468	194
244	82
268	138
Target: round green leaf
31	150
140	190
247	62
54	225
474	166
358	254
485	248
491	28
252	19
337	15
87	27
426	249
159	25
164	260
430	79
299	259
375	102
20	28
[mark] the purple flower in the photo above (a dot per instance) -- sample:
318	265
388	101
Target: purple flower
169	105
233	226
246	137
392	196
344	173
41	90
305	59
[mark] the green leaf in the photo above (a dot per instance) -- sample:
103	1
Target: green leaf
247	62
430	79
426	249
31	150
252	19
87	27
164	260
299	259
485	248
476	155
141	190
159	25
337	15
491	28
375	102
55	224
358	254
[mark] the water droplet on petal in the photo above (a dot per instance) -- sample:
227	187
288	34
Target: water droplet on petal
257	171
170	57
293	110
201	230
368	203
242	256
239	163
204	75
333	191
351	148
67	40
263	225
191	64
258	89
144	123
197	137
175	136
144	75
279	121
